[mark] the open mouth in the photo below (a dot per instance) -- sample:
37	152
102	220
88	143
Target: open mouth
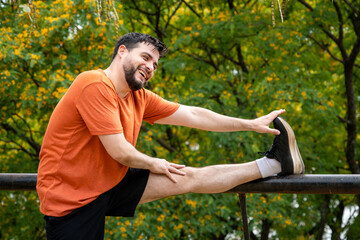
144	74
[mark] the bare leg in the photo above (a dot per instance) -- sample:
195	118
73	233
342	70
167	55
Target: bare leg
210	179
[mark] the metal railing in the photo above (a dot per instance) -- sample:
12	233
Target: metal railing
295	184
18	181
304	184
300	184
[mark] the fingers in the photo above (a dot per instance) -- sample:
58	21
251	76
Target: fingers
170	176
274	131
177	166
276	113
168	169
263	123
174	169
271	131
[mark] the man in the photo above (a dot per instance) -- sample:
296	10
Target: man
89	166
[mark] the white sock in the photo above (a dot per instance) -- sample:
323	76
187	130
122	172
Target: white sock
268	166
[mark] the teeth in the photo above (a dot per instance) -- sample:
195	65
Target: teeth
142	73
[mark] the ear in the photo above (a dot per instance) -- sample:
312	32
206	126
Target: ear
122	50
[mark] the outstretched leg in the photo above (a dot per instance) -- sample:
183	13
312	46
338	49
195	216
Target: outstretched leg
220	178
210	179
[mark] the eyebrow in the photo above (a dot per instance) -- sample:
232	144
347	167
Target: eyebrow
151	57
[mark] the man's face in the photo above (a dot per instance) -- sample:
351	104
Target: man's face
139	65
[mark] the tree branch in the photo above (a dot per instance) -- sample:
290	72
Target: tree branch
326	48
341	22
352	7
303	2
191	9
199	58
171	16
161	142
20	148
241	59
137	8
30	141
338	41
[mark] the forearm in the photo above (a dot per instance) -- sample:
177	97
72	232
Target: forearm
210	121
133	158
125	153
204	119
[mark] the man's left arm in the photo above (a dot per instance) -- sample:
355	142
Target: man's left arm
204	119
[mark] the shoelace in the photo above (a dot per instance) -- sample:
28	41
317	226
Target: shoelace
270	153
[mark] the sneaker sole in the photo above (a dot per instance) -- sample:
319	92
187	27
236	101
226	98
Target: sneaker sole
298	164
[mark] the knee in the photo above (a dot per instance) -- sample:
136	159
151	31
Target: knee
191	177
191	172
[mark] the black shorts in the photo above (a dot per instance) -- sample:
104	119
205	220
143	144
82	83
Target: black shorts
88	222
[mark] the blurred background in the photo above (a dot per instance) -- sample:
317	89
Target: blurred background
239	58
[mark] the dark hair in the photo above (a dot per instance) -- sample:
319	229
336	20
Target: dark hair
131	40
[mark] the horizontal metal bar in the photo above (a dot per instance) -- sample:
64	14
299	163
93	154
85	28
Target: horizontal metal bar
301	184
18	181
304	184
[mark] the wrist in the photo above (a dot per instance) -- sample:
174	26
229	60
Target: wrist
249	125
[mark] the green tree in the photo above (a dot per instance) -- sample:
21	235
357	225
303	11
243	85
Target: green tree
225	56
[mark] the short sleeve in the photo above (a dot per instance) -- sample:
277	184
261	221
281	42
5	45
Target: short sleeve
157	107
99	109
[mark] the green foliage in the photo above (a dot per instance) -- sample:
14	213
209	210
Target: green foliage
354	230
223	56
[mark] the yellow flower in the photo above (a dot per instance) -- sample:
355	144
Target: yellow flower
6	73
36	34
160	218
44	31
34	56
17	52
180	226
63	57
331	103
97	21
191	203
304	95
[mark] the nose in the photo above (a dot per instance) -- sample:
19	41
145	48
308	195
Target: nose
149	67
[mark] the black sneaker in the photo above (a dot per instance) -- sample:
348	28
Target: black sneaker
285	150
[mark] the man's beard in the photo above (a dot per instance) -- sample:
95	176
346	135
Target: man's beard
133	84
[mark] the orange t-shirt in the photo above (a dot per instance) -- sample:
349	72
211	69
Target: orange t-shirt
74	166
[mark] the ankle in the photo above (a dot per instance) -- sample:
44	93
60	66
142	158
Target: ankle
268	166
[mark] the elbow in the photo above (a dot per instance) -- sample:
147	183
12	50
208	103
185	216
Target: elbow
195	115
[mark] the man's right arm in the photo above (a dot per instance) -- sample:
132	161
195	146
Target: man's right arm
122	151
